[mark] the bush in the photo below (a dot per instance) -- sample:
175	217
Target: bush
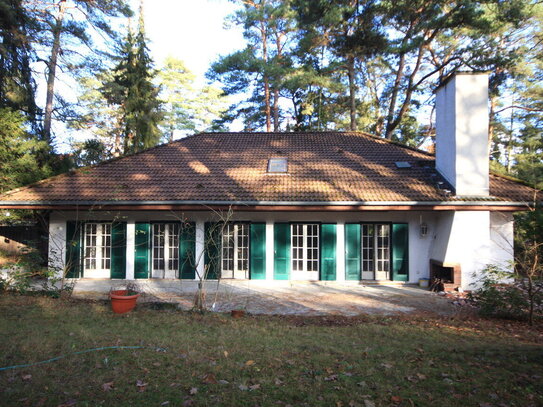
503	294
24	275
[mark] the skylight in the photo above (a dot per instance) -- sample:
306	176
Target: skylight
402	164
277	165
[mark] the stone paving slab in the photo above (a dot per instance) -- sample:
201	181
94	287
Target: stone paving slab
281	297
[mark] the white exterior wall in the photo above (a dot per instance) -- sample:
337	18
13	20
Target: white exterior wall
462	133
471	238
418	264
57	245
502	239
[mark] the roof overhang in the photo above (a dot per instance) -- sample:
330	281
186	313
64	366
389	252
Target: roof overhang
467	205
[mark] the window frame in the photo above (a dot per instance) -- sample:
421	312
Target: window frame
167	271
376	250
102	253
305	273
236	272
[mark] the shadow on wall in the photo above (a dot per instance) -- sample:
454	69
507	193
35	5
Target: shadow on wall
15	239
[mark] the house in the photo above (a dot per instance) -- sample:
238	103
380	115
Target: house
304	206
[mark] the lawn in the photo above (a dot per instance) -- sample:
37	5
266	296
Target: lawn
188	359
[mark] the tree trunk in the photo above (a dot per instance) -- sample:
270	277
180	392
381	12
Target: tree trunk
352	92
52	67
267	109
491	119
394	97
276	110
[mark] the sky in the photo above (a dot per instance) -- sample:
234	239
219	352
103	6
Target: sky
191	30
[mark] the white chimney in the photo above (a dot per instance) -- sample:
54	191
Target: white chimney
462	132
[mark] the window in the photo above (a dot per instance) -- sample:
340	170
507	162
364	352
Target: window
97	246
235	251
165	259
305	248
375	251
277	165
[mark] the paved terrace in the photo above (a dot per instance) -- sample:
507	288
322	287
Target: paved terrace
282	297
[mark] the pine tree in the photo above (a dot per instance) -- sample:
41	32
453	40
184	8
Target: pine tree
132	89
17	87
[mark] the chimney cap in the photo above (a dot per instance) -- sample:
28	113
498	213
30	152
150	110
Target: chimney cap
451	75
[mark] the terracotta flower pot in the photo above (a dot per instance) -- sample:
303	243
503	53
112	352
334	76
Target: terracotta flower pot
121	302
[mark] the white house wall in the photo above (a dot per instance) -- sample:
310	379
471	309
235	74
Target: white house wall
456	237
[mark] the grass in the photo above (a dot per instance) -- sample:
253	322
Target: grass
214	360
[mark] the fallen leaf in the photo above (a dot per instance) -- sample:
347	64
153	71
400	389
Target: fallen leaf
387	365
242	387
193	391
352	403
141	385
69	403
156	364
369	403
107	386
339	404
249	363
278	382
254	387
224	382
164	403
188	403
209	378
26	377
225	354
331	378
421	376
396	399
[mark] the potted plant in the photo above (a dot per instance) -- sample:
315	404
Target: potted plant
124	300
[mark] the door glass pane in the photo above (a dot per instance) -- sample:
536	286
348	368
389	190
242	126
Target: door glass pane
383	247
159	232
173	246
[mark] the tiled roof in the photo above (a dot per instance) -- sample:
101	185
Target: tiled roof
232	167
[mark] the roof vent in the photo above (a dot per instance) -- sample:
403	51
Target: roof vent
277	165
402	164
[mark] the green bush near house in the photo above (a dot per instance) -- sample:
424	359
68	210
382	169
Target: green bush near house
505	294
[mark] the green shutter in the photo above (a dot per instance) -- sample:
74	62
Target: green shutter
400	252
187	249
328	251
281	261
73	249
352	251
257	247
118	250
142	250
212	243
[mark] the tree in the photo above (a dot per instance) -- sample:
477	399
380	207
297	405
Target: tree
17	87
61	29
186	107
352	31
262	66
132	90
19	152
